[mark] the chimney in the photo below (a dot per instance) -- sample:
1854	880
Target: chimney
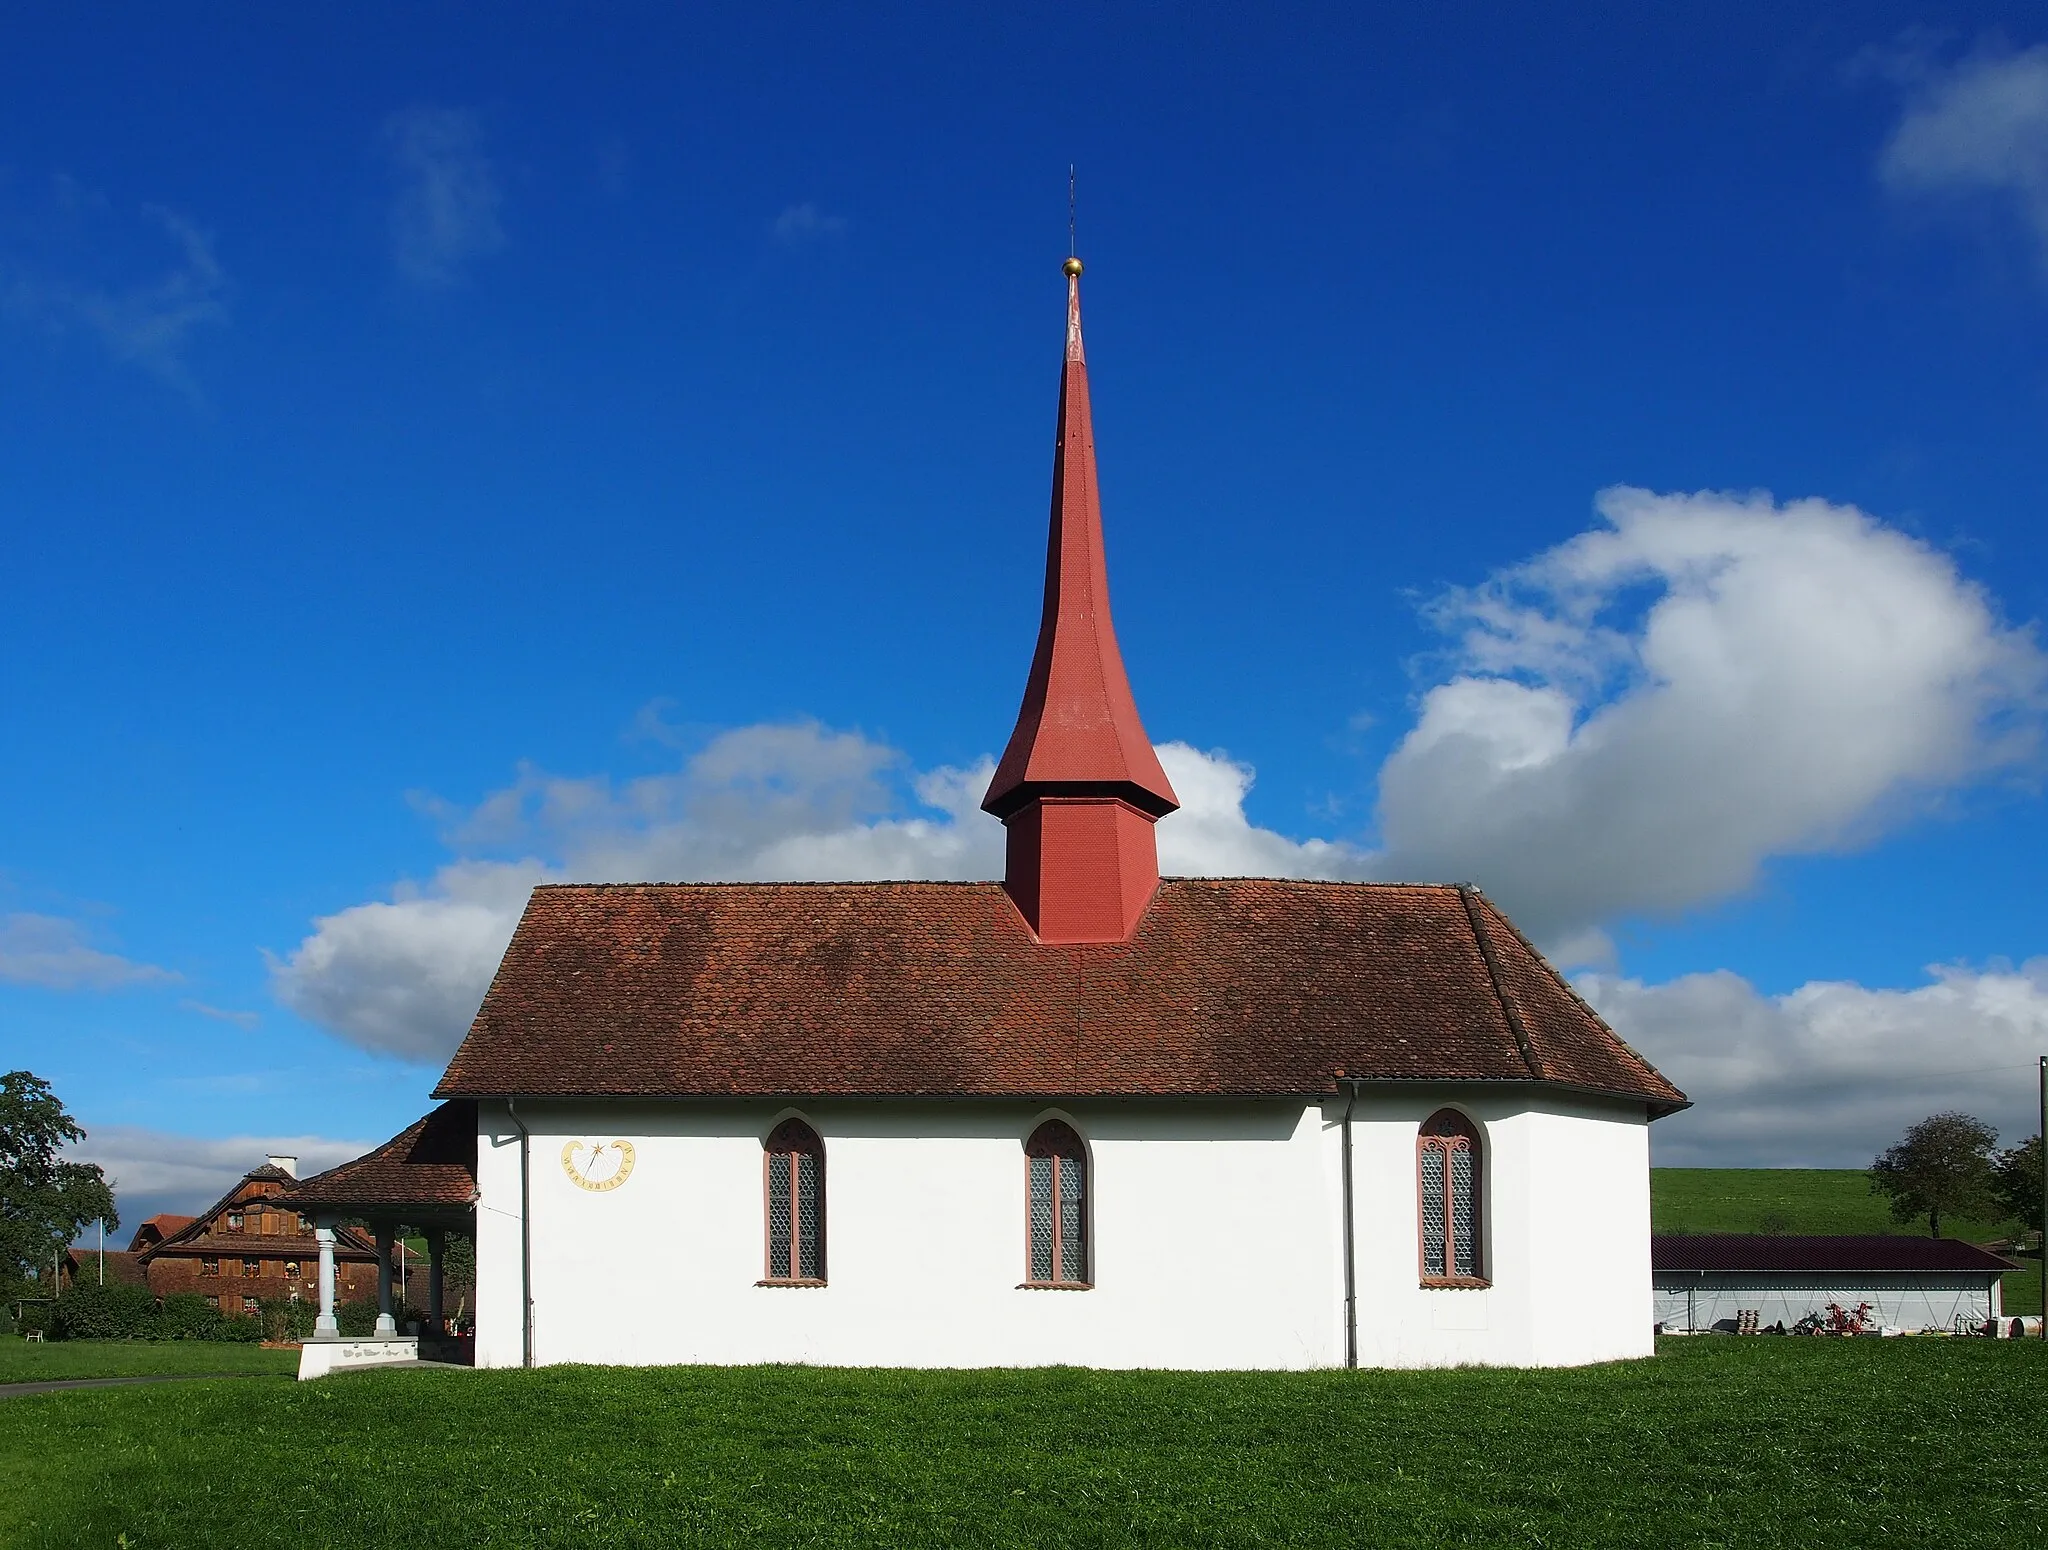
287	1162
1079	787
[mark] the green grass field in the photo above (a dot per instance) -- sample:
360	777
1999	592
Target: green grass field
1790	1200
1714	1443
22	1362
1824	1201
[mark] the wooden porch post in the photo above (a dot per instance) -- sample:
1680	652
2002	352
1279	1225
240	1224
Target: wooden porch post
437	1243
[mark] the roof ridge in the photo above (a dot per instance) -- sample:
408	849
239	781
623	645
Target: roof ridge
1382	883
1509	1010
1564	984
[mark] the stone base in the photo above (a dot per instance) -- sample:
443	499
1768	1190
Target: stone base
318	1357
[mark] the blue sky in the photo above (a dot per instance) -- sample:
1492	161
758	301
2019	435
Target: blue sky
439	456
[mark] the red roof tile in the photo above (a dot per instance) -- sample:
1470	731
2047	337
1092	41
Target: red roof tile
1229	987
429	1164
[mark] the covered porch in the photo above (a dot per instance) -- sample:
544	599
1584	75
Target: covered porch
424	1179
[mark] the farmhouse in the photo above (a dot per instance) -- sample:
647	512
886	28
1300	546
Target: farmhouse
1710	1282
1082	1115
247	1246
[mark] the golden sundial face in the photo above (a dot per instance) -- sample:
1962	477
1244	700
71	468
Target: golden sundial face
598	1165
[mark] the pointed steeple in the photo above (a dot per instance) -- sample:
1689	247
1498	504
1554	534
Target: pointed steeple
1079	786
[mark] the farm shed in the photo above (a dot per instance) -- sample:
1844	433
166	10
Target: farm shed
1703	1283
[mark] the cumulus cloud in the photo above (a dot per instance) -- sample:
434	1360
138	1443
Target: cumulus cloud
54	953
1978	127
445	212
1636	720
806	223
1833	1072
404	976
155	1170
791	802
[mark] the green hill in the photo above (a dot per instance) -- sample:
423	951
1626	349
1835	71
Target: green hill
1809	1201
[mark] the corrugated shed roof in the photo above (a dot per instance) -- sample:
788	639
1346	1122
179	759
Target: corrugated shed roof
1775	1254
1229	987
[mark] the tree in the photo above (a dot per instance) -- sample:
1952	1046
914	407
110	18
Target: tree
2018	1183
1941	1167
45	1200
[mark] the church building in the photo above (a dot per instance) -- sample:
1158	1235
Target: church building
1084	1115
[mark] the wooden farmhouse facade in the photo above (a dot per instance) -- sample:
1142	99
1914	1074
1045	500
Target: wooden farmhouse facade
247	1247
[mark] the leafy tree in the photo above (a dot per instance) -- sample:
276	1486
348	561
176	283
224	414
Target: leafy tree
2018	1185
1940	1167
45	1200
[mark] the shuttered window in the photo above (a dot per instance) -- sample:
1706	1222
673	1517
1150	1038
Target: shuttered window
1447	1189
1056	1207
796	1204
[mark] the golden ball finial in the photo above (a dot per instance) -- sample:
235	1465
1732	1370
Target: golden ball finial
1071	267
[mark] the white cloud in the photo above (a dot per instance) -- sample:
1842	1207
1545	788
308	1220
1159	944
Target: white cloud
1978	127
1634	721
53	953
1833	1072
806	223
1637	719
405	977
446	209
154	1170
786	802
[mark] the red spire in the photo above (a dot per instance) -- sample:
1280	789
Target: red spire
1079	786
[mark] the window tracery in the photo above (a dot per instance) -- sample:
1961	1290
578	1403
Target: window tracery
795	1162
1056	1207
1448	1200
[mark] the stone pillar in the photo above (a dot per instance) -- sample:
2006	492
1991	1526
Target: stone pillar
326	1327
387	1326
437	1246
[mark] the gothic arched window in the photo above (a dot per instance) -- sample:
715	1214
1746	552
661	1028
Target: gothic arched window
1056	1206
796	1203
1447	1191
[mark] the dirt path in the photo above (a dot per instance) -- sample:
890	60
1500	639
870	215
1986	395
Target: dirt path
51	1385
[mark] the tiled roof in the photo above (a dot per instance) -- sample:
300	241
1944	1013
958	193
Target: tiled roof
431	1163
1228	987
123	1266
1774	1253
197	1236
255	1245
164	1224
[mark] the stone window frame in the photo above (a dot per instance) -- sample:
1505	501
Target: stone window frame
1055	1142
1439	1140
782	1157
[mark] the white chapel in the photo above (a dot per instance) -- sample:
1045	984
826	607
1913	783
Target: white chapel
1083	1115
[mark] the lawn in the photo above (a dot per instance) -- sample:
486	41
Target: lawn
1821	1201
1794	1200
23	1362
1715	1442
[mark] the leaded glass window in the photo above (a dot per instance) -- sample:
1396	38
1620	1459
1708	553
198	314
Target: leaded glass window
1447	1198
1056	1214
796	1203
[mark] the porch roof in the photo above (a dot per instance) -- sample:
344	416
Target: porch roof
426	1172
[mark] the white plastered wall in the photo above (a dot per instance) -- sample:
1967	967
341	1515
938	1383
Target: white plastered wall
1209	1223
1566	1229
1216	1235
